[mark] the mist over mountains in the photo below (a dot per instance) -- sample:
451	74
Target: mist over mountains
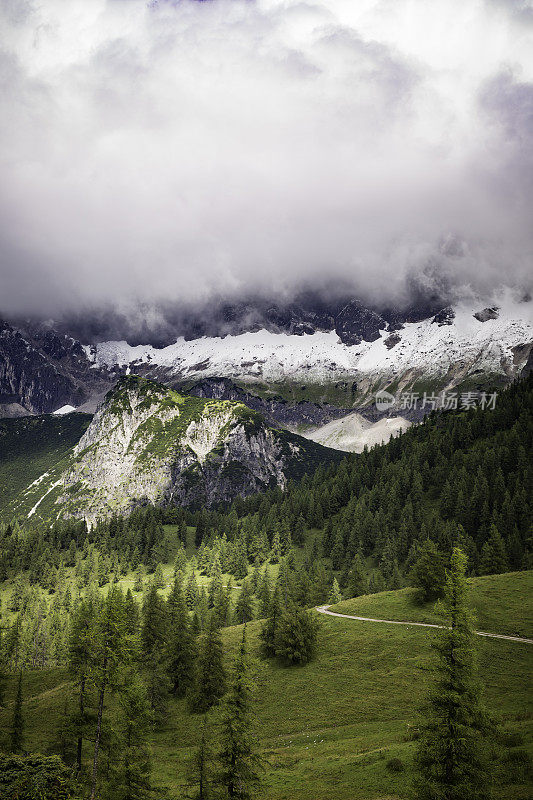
182	152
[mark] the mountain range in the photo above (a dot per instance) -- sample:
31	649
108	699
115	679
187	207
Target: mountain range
311	364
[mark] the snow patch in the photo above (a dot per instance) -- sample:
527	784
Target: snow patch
38	503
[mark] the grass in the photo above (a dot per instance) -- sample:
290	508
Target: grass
501	603
33	445
327	729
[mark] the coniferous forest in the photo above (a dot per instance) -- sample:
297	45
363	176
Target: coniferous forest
130	617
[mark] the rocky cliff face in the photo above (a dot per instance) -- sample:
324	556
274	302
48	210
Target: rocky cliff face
149	444
42	370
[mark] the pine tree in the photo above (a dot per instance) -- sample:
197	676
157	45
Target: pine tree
428	572
112	650
453	756
244	610
337	553
80	663
17	721
131	775
154	640
159	579
358	583
335	594
210	675
201	765
269	629
275	551
181	644
296	636
191	591
239	774
493	554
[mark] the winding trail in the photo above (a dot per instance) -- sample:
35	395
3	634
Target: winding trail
325	610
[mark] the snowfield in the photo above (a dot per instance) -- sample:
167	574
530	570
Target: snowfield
466	345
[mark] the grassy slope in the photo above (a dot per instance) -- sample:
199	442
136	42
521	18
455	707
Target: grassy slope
32	445
502	604
327	729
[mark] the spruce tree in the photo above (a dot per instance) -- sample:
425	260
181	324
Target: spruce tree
80	663
269	629
493	554
244	610
210	675
154	640
181	644
200	769
17	721
275	550
428	573
453	758
357	579
239	776
335	594
296	636
131	772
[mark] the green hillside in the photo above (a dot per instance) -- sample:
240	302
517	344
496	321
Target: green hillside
330	728
32	446
501	604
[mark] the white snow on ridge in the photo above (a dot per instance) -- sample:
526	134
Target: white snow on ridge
322	357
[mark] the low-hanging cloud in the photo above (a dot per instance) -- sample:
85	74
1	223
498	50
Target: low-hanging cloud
168	151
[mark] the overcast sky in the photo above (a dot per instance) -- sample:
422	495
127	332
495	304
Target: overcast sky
168	149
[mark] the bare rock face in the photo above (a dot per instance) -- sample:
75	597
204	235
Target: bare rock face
392	340
487	313
356	323
445	316
42	370
147	443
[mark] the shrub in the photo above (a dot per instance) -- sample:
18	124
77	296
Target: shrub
29	777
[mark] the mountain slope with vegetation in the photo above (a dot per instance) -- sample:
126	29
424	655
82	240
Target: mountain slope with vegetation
335	724
33	445
149	444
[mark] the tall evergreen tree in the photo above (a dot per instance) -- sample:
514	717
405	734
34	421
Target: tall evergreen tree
181	644
428	573
244	610
16	733
493	554
80	661
112	650
210	675
131	774
201	766
357	580
154	639
239	776
335	594
453	756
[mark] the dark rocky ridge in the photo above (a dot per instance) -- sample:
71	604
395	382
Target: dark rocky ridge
275	410
42	370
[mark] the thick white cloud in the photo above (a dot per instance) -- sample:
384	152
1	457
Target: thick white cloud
175	149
